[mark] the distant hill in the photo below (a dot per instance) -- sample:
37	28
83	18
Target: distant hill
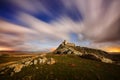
95	54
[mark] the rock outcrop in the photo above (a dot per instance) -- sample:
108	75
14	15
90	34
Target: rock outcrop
17	66
95	54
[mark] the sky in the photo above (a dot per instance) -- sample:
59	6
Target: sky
35	25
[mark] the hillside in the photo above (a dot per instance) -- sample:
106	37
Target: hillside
89	53
66	67
67	62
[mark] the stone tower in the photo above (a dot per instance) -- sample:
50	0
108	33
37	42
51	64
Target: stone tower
65	42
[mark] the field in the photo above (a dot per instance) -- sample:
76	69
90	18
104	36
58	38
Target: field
66	67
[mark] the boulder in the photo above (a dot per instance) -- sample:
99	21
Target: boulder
51	61
35	62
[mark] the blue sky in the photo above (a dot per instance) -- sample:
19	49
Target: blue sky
41	24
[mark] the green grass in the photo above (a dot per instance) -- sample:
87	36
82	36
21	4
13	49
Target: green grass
68	67
9	59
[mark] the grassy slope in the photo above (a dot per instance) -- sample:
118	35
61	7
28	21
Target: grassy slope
68	67
9	59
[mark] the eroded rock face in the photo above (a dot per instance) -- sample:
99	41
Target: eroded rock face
99	55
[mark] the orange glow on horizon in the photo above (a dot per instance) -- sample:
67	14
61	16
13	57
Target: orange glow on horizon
6	49
52	49
112	49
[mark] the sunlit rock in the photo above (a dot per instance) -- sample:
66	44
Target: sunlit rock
35	62
106	60
27	63
51	61
18	68
40	60
44	59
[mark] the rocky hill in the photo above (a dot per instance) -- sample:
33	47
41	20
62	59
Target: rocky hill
49	66
95	54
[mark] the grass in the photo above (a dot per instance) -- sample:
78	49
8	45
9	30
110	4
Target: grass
9	59
4	58
68	67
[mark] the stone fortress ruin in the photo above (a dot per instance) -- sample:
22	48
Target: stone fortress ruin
67	43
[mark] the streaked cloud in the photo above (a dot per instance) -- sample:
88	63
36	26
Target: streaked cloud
40	24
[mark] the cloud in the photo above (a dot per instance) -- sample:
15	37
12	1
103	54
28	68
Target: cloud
59	29
30	6
21	37
96	23
103	26
101	20
13	35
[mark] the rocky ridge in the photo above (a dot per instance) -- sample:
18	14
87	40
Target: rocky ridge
70	48
17	66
